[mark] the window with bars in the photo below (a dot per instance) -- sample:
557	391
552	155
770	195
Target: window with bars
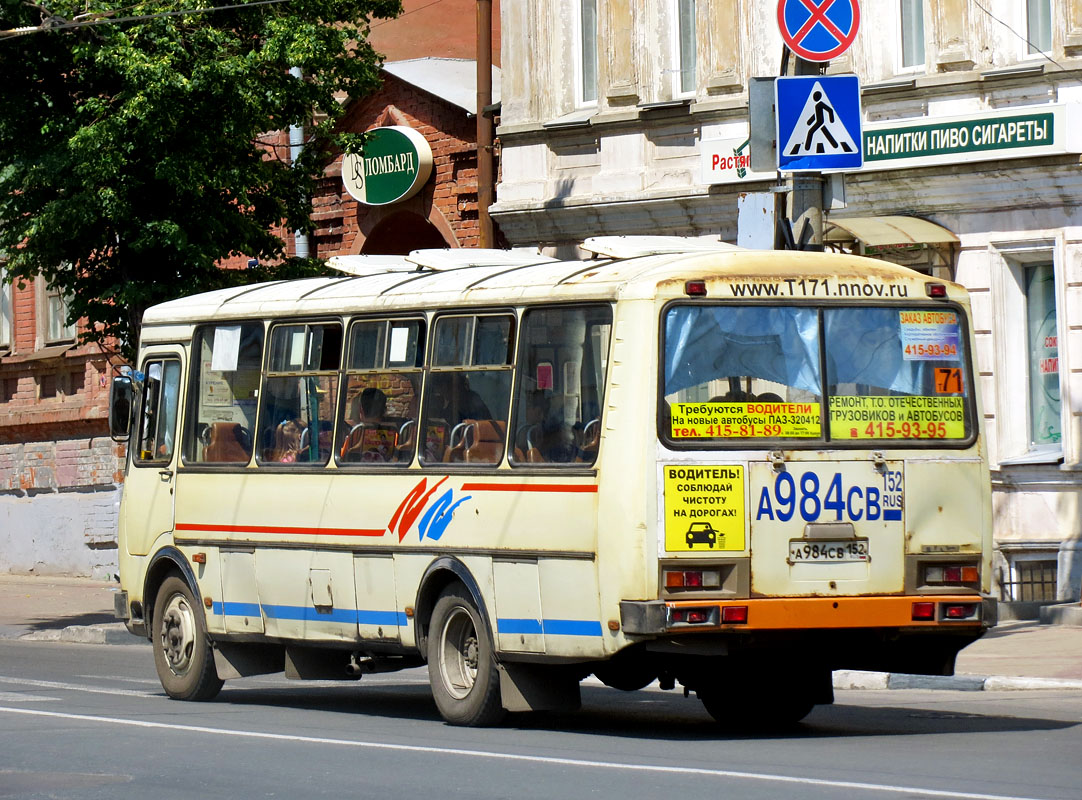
1029	580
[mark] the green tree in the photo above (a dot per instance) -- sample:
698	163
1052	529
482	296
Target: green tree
134	144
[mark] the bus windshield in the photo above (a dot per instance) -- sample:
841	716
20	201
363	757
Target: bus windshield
809	374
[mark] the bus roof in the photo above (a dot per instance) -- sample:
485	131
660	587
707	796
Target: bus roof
639	267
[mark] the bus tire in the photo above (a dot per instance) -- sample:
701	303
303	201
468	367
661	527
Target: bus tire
182	651
461	664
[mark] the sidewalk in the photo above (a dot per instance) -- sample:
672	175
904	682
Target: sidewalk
1014	655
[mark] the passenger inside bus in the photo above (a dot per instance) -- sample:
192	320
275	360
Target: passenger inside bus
369	439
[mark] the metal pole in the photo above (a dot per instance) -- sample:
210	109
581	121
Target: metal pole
806	188
485	178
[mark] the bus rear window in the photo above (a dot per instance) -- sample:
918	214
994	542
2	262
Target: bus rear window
740	373
896	374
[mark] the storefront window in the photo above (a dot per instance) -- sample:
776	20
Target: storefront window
1042	351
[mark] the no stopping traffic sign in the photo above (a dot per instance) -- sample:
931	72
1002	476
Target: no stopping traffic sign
818	30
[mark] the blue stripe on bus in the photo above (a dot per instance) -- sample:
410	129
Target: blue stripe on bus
572	627
550	627
892	514
345	616
348	616
518	626
236	609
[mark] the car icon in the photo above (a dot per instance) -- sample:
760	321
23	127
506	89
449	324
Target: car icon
701	533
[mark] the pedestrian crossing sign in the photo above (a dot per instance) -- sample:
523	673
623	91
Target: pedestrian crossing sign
818	123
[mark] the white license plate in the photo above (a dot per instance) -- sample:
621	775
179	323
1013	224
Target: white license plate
825	551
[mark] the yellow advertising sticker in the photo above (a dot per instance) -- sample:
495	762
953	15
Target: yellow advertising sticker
704	508
915	417
745	420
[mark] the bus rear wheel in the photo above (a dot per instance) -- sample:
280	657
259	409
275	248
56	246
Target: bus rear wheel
461	664
182	652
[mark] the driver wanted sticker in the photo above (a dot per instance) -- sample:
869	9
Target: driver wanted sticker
704	508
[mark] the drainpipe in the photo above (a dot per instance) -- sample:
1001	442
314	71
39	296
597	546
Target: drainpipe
484	123
296	144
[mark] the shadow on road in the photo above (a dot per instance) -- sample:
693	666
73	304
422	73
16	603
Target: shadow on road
645	715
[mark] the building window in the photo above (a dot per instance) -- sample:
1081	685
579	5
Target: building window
55	310
587	53
1042	354
684	47
1029	580
1032	394
911	27
1038	26
5	313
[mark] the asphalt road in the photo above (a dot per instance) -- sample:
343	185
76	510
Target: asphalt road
85	721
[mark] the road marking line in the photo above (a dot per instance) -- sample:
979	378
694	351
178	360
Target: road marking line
15	697
566	762
76	687
120	678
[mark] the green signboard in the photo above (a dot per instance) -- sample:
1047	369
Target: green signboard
976	137
395	163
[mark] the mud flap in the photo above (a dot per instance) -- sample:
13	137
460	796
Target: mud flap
528	687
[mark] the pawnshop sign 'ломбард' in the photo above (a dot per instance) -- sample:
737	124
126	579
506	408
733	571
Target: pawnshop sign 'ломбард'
395	163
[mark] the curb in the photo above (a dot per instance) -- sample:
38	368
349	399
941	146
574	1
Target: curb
114	633
855	679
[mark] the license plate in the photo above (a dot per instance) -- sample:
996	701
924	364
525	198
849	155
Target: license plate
824	551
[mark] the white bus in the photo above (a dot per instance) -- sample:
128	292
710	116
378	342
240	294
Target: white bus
676	462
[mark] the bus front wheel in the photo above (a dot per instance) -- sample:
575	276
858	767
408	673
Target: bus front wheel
461	666
182	652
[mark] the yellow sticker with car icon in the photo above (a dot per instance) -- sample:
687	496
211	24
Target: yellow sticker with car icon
704	508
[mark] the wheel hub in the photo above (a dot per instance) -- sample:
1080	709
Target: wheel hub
178	634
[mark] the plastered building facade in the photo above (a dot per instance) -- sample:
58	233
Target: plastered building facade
613	112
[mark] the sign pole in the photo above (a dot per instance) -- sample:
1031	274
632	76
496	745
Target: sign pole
813	33
805	206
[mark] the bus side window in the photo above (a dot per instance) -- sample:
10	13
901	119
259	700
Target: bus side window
300	388
158	416
468	389
381	397
562	360
226	365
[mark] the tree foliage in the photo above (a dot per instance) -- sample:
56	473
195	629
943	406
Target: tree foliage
134	145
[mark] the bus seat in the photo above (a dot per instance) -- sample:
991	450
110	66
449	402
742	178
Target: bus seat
591	436
227	443
484	443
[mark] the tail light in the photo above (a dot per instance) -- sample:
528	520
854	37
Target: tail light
952	574
923	612
692	579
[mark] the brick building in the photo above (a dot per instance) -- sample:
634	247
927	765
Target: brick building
60	474
59	471
435	97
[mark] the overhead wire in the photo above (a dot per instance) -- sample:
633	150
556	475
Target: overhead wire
49	27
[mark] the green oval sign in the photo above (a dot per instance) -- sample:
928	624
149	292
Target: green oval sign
395	164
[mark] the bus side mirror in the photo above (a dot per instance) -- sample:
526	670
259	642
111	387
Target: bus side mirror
121	394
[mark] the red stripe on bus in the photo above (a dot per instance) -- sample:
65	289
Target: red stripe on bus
194	526
528	487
